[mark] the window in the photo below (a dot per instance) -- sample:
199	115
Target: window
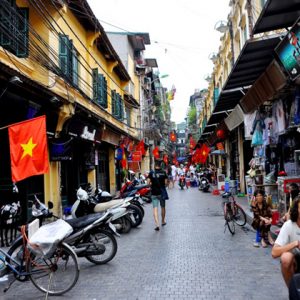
68	59
128	115
14	31
117	105
99	89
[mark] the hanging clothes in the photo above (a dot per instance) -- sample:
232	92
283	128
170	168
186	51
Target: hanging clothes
257	130
248	121
279	118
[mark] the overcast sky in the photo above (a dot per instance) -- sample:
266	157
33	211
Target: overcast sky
182	37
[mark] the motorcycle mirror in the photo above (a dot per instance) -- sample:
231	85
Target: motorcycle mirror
50	204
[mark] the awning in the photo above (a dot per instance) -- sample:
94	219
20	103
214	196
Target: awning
254	58
217	117
277	14
235	118
131	101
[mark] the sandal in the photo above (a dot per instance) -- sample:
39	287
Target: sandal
271	241
263	244
156	228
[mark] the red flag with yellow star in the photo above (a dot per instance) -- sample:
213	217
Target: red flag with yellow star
28	148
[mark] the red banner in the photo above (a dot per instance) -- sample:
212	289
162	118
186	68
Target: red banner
136	156
28	148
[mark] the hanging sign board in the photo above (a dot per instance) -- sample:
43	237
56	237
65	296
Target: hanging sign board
288	51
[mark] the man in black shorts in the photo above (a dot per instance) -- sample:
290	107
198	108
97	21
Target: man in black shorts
158	180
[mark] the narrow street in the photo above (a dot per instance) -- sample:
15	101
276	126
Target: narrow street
190	258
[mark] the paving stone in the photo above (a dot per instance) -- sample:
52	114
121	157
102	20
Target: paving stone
189	258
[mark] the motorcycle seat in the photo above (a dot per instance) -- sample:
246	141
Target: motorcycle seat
84	221
106	205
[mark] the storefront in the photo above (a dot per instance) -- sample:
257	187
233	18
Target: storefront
77	151
21	100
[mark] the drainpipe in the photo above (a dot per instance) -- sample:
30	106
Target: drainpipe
231	41
249	7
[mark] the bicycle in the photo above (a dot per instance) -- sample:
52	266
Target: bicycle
233	213
53	275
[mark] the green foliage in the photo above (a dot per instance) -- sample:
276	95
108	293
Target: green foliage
192	116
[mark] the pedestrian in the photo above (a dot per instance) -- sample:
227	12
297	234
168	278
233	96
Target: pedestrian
158	180
174	173
170	177
262	218
287	244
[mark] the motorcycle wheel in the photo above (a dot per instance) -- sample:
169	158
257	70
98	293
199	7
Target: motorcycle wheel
138	204
105	239
135	215
125	223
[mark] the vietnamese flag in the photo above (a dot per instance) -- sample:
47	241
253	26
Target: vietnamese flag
141	147
155	152
28	148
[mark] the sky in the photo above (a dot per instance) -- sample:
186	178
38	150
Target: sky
182	37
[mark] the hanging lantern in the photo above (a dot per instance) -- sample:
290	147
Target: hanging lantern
173	137
220	134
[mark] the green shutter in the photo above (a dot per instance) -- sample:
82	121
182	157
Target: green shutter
95	84
100	89
75	65
22	32
7	16
121	113
104	93
113	103
64	54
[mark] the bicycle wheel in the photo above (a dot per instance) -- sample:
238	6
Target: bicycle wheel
55	275
239	216
106	242
229	222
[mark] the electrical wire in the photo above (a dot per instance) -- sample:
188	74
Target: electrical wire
42	57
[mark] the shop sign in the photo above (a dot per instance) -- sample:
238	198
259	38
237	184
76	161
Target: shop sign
288	51
85	131
136	156
60	151
87	135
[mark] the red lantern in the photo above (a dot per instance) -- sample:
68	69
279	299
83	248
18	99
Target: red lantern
220	134
173	137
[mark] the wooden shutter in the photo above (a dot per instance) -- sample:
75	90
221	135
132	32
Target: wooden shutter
121	113
95	84
113	103
63	54
105	93
100	89
7	15
22	41
75	58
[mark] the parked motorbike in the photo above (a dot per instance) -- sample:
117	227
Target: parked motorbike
103	196
85	205
204	184
89	239
136	206
130	188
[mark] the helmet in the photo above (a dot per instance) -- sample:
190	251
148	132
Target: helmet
82	195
